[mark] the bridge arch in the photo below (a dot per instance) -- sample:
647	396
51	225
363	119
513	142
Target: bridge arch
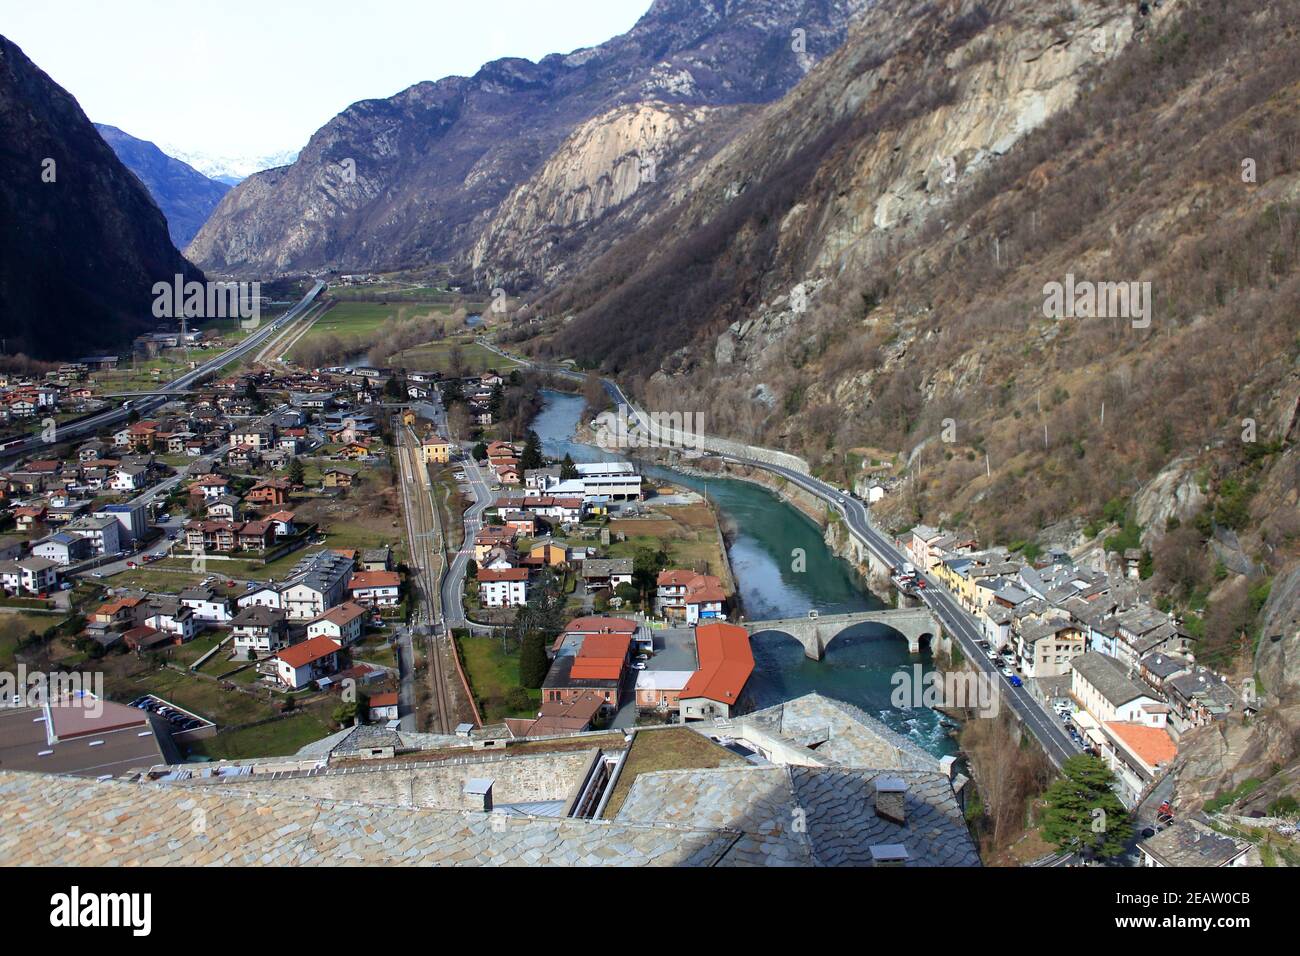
917	626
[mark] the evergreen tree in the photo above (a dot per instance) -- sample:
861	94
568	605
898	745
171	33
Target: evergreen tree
297	473
568	470
1083	813
532	455
533	664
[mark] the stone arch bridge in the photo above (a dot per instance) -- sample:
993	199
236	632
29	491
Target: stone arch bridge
816	633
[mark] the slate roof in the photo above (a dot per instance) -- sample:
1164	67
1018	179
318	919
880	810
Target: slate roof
807	816
847	736
1106	674
1192	843
49	820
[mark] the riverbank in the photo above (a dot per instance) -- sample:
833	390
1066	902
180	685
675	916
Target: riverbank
784	568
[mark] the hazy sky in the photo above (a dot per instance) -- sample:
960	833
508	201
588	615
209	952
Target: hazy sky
254	77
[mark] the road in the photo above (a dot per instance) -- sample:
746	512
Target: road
143	406
425	548
960	624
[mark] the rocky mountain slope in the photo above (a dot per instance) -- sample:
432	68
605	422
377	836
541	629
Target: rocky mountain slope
866	276
81	241
418	177
184	194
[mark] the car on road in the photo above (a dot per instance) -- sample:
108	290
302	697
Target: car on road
1148	833
1006	671
1015	681
638	666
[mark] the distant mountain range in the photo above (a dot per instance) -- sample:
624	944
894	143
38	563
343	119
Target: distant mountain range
420	176
81	241
186	196
230	170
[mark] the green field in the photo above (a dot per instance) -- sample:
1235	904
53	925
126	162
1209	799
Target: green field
363	320
275	739
436	357
492	673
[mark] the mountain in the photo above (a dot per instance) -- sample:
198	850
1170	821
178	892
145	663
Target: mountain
185	195
81	241
870	275
230	170
417	178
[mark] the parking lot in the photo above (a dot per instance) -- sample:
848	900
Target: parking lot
182	723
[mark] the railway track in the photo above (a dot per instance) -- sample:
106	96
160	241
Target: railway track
426	555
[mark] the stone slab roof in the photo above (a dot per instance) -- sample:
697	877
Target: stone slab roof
51	820
807	816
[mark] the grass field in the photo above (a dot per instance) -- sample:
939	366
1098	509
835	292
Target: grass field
492	673
274	739
365	319
15	627
436	357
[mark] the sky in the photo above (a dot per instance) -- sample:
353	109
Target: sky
258	77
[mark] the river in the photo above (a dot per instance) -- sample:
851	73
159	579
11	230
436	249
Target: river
769	537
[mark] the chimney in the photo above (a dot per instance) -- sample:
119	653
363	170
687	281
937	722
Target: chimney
478	794
889	854
891	797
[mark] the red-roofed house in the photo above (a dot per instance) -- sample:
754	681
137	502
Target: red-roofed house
1135	752
507	588
314	658
689	597
376	588
383	706
726	662
344	623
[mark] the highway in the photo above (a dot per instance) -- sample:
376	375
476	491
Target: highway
1046	727
143	406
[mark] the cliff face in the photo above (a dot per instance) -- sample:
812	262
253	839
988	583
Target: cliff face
608	179
81	241
185	196
415	178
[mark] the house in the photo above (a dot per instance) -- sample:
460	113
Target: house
1102	688
547	554
1137	753
580	628
383	707
255	535
206	605
598	668
435	450
104	533
143	638
168	614
225	508
376	588
489	538
1046	648
521	523
338	478
317	583
29	517
506	588
344	624
259	630
33	575
1191	842
600	573
211	487
273	491
63	548
661	690
282	524
117	613
314	658
128	478
377	559
571	716
689	597
725	665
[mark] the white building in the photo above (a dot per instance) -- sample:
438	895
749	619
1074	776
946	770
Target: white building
508	588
